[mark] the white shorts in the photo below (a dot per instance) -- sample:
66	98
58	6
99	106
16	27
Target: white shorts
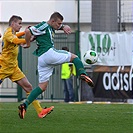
48	60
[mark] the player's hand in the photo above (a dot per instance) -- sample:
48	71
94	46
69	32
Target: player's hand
32	38
27	27
25	45
67	29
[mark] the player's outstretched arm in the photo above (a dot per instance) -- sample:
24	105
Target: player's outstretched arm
28	37
19	34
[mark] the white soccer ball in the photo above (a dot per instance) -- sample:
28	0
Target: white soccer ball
90	57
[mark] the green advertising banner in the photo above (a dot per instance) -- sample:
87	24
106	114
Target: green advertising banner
113	48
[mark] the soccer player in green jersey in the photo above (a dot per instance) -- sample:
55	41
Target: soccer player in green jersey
48	56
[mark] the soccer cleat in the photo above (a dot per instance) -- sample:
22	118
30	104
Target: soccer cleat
22	111
45	112
87	79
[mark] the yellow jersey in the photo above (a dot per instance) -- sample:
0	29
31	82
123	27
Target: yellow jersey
66	70
10	42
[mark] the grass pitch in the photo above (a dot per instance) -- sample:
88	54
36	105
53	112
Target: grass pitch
69	118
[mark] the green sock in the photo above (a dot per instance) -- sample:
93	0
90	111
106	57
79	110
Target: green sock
79	66
33	95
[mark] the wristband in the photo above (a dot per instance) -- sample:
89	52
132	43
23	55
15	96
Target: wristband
61	27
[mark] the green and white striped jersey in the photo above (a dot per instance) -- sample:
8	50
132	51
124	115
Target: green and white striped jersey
44	34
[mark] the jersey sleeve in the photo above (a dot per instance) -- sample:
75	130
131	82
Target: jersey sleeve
14	39
39	29
19	34
19	41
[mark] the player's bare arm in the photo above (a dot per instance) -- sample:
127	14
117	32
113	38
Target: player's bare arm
32	37
28	37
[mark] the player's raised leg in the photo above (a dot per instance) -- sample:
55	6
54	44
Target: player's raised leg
81	70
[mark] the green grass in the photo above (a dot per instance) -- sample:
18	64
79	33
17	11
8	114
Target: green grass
69	118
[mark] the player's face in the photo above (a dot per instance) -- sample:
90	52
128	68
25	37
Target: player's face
17	25
56	24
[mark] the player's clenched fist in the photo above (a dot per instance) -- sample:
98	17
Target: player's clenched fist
66	29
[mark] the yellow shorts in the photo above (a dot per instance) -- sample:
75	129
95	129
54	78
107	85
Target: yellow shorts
14	74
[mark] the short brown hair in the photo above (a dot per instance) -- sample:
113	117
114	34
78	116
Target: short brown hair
56	15
14	18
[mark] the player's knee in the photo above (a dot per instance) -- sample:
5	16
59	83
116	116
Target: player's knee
73	56
43	87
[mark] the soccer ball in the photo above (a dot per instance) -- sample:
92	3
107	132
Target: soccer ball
90	57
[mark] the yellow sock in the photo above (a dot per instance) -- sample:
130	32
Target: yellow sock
36	105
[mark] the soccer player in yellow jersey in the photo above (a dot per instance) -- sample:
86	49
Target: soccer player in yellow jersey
8	59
